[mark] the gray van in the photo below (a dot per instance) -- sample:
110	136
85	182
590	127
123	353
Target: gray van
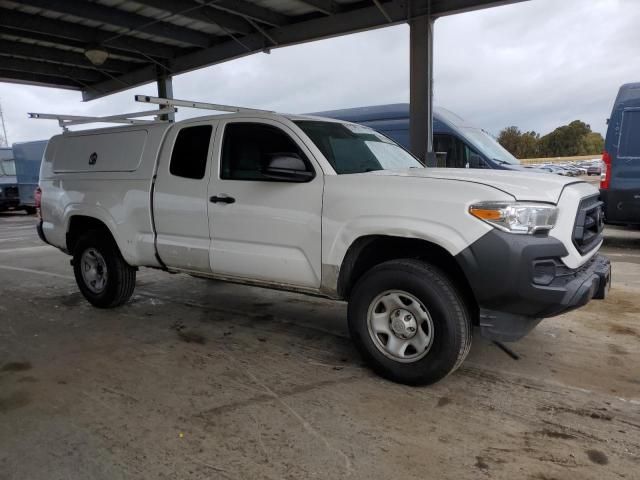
620	182
28	157
9	193
457	144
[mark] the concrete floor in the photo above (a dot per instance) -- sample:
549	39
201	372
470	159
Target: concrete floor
197	379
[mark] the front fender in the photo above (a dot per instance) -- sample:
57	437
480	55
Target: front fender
430	209
437	232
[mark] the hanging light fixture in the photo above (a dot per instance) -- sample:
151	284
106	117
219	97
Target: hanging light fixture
96	54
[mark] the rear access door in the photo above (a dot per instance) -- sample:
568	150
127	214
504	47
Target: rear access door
624	195
180	201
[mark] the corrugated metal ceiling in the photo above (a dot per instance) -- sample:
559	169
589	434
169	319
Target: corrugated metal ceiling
44	41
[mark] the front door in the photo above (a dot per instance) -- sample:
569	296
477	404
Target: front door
262	229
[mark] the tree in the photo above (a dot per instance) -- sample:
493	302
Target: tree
573	139
567	140
509	138
593	143
520	145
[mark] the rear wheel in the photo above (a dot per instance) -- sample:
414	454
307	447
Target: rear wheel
30	210
103	276
410	322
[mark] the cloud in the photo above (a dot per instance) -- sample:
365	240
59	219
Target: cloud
537	65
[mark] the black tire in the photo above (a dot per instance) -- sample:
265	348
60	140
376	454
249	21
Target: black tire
121	277
30	210
450	317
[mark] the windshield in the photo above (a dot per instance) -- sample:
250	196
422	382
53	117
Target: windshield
352	148
489	146
7	167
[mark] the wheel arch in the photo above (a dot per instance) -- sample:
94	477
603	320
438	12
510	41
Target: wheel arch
370	250
78	224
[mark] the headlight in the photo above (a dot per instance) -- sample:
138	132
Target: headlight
514	217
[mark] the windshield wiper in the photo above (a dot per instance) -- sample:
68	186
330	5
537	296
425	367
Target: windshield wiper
502	162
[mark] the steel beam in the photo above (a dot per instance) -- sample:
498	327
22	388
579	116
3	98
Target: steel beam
201	13
165	90
251	10
81	75
121	18
59	56
421	88
14	35
328	7
441	8
61	30
27	78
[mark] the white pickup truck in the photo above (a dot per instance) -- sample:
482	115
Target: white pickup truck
326	208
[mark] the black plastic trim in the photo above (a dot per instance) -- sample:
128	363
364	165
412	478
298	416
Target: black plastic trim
40	231
501	270
589	224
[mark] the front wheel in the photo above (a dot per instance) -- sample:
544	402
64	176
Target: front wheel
103	276
410	322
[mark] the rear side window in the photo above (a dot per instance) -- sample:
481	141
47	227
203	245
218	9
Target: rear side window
190	152
247	148
630	134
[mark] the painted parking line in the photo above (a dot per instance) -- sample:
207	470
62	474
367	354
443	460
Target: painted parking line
14	239
36	272
19	250
5	228
633	255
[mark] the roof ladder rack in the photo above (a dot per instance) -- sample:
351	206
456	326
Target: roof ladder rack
127	118
167	105
170	102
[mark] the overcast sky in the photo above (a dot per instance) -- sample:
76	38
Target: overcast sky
537	65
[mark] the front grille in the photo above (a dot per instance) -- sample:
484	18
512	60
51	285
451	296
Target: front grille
587	231
11	192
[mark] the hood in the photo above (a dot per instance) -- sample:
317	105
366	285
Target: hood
523	186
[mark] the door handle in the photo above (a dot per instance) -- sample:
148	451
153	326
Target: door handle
216	199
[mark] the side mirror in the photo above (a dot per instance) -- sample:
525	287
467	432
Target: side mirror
287	167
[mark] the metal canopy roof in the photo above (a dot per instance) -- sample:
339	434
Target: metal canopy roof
43	42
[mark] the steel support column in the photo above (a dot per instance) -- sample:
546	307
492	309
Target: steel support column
165	90
421	88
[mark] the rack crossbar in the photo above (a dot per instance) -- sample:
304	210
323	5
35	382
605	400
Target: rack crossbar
127	118
170	102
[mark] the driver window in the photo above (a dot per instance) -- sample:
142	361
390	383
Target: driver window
248	147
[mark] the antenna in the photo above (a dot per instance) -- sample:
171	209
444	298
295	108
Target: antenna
4	141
